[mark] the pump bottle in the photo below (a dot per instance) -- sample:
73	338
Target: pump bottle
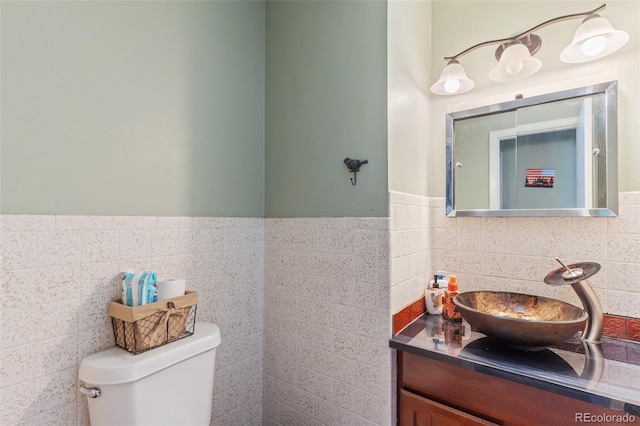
433	296
450	310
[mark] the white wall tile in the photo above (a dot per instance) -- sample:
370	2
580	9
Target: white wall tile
208	222
54	319
174	222
27	223
623	248
495	235
18	326
134	243
60	272
623	303
168	266
53	355
628	220
343	241
53	390
18	250
629	198
65	414
17	402
94	339
209	239
469	234
366	269
469	262
16	365
18	288
98	278
587	243
59	248
56	283
366	376
83	223
369	223
323	411
336	281
134	222
623	276
366	405
170	242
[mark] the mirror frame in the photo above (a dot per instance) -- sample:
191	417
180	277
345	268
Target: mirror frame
606	182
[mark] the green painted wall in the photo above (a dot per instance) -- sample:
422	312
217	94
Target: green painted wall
158	108
133	108
326	97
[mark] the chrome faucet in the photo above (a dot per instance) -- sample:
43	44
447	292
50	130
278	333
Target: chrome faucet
576	275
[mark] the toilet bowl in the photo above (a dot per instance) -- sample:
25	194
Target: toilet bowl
166	386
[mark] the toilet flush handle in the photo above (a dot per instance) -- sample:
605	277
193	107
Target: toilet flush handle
90	392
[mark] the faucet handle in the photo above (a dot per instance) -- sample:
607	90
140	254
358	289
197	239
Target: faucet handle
571	274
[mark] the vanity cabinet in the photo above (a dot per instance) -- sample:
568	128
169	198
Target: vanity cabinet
437	393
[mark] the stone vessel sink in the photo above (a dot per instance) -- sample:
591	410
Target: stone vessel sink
521	320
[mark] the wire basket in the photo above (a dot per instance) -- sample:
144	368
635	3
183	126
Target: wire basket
141	328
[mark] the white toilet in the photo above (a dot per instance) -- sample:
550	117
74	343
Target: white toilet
170	385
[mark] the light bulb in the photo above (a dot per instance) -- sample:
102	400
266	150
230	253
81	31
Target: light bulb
594	45
514	67
452	86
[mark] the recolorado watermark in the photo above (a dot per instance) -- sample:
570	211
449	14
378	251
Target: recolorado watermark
604	418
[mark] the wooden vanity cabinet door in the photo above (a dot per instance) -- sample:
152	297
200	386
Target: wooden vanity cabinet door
418	411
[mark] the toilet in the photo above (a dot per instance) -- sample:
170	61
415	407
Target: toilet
169	385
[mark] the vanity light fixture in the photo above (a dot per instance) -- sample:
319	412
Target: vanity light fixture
594	39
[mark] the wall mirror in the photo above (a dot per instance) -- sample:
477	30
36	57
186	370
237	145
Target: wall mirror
548	155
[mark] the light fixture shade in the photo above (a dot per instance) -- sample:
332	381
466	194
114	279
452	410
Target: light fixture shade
593	39
516	62
453	80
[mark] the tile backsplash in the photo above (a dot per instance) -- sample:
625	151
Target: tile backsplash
59	272
515	254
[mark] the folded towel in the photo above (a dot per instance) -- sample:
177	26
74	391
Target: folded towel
139	288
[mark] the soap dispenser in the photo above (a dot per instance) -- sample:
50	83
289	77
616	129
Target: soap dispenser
434	293
450	310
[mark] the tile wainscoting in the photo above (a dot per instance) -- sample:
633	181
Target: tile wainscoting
327	359
304	304
59	272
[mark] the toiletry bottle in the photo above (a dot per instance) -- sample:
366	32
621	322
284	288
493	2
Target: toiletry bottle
450	310
433	296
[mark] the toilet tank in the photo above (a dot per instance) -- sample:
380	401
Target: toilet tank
169	385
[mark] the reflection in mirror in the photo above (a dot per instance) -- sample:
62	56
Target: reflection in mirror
549	155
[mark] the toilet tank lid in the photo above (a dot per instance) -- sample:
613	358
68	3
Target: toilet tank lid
115	366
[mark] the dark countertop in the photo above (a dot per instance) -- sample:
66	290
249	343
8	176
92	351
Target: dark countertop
606	374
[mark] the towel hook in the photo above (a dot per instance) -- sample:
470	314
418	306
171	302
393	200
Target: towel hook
354	166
